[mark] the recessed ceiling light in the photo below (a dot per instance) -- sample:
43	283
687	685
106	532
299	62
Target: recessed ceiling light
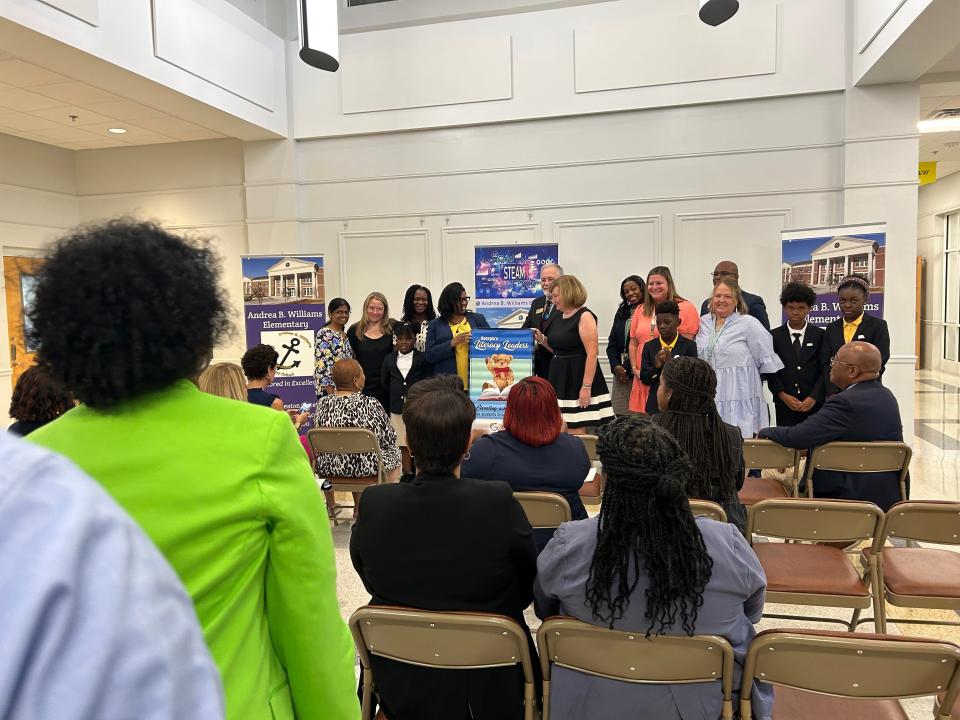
117	131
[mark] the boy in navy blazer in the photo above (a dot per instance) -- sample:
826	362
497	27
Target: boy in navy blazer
660	350
401	369
797	388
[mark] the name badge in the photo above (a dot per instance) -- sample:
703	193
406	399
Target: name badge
539	311
809	344
860	337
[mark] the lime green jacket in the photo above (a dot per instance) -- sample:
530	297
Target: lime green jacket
225	491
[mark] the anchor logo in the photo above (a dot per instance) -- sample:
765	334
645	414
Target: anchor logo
291	349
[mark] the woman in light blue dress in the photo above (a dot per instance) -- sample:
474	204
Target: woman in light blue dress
740	350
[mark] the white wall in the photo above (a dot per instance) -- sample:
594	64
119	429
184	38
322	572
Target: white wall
936	200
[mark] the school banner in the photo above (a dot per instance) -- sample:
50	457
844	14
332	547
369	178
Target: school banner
820	257
508	279
283	306
498	360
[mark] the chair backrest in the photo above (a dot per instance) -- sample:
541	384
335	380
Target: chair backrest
544	509
631	657
346	441
933	521
449	640
590	443
817	520
852	665
861	457
763	454
708	509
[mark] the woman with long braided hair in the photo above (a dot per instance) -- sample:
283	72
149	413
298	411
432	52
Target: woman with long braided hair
644	564
687	409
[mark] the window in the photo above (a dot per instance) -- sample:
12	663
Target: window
951	289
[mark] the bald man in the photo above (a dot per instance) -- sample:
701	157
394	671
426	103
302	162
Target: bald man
755	305
863	411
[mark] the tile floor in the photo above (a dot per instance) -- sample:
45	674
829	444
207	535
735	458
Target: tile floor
935	475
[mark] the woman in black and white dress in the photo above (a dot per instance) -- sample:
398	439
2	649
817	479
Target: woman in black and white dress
575	371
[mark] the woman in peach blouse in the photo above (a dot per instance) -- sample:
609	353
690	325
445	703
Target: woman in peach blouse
660	287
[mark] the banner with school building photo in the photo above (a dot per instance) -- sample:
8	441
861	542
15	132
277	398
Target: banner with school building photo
508	280
498	360
283	306
820	257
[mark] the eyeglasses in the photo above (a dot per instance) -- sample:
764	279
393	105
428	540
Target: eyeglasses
722	273
834	361
465	299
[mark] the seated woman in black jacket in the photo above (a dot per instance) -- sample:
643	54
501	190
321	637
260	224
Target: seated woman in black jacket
687	409
532	453
441	542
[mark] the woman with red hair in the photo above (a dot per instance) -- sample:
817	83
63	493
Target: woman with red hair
532	452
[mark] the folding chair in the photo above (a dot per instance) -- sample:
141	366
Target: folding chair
591	492
444	640
763	455
916	577
860	457
347	441
706	508
631	657
838	675
544	509
813	574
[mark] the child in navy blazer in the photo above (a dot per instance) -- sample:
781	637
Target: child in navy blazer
798	389
401	369
660	350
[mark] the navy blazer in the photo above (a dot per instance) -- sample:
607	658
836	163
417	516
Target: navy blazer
536	321
396	384
864	412
872	330
618	345
755	307
650	373
801	377
440	353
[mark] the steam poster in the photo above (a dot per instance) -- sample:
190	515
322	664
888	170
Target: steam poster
508	279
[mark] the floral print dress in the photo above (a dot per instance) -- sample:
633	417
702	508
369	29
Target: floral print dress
330	346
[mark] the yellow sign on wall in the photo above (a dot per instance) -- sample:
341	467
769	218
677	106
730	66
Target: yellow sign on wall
927	172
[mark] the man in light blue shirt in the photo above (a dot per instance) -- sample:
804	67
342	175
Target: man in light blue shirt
94	624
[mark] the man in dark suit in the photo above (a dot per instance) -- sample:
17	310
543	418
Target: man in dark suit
797	388
864	411
728	269
658	351
540	316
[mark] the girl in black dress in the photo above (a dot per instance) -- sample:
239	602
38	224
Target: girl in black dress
372	340
575	371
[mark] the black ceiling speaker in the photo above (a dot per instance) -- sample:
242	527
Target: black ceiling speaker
715	12
319	34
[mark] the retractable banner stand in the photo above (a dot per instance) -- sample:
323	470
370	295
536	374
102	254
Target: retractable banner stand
508	280
498	360
283	306
820	257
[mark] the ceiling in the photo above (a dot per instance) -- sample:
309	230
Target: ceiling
939	90
51	108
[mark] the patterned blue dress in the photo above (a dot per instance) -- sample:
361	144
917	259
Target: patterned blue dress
740	352
329	347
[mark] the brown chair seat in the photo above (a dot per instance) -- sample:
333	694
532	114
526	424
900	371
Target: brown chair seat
921	571
368	480
592	489
819	569
756	489
792	704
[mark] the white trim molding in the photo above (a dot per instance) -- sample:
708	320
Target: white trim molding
655	220
344	236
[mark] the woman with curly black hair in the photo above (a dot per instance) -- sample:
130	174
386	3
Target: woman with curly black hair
418	311
37	400
687	409
127	315
632	292
645	565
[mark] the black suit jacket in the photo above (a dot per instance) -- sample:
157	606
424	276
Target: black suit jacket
650	373
864	412
872	330
445	543
535	320
396	385
755	307
801	377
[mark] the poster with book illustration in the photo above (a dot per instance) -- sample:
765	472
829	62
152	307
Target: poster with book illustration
820	257
283	306
499	359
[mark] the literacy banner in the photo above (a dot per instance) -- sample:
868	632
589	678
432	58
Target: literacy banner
283	306
822	256
498	360
508	279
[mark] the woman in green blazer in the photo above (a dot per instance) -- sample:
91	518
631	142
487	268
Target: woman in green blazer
124	315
